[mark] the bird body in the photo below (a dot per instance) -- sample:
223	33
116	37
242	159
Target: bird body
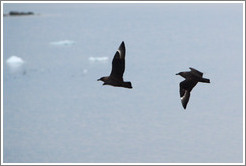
115	82
191	79
118	67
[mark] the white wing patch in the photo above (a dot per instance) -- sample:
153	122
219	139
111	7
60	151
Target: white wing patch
119	53
184	95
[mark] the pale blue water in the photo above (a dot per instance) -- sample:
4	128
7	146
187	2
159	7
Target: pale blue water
54	110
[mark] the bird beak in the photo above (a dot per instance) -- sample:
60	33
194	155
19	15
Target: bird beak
98	79
177	74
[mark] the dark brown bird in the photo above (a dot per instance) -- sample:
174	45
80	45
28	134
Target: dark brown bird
118	67
191	79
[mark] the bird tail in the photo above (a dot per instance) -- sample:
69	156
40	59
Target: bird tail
127	84
205	80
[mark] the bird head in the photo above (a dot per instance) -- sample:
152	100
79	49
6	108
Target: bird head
103	79
100	79
182	74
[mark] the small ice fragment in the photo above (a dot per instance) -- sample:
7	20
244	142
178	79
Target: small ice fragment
14	61
85	71
63	43
15	64
98	59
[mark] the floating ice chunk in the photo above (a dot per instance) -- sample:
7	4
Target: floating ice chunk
15	61
98	59
15	64
63	43
85	71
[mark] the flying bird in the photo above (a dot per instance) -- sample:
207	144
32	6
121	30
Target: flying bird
118	67
191	79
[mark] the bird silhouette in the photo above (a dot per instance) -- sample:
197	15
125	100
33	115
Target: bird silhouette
118	67
191	79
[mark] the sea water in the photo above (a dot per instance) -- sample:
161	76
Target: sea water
57	111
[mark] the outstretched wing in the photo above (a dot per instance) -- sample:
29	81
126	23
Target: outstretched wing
185	88
194	71
118	63
185	98
122	50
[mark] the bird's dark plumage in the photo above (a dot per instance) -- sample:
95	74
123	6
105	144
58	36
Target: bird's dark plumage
118	67
191	79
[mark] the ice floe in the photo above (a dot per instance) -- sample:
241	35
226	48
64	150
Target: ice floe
98	59
63	43
15	64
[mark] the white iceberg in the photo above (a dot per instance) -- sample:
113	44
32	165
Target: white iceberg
62	43
15	64
98	59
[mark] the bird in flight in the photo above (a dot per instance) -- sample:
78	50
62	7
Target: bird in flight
191	79
118	67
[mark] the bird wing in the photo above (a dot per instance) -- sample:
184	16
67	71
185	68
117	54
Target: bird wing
118	63
185	99
122	50
196	72
185	88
